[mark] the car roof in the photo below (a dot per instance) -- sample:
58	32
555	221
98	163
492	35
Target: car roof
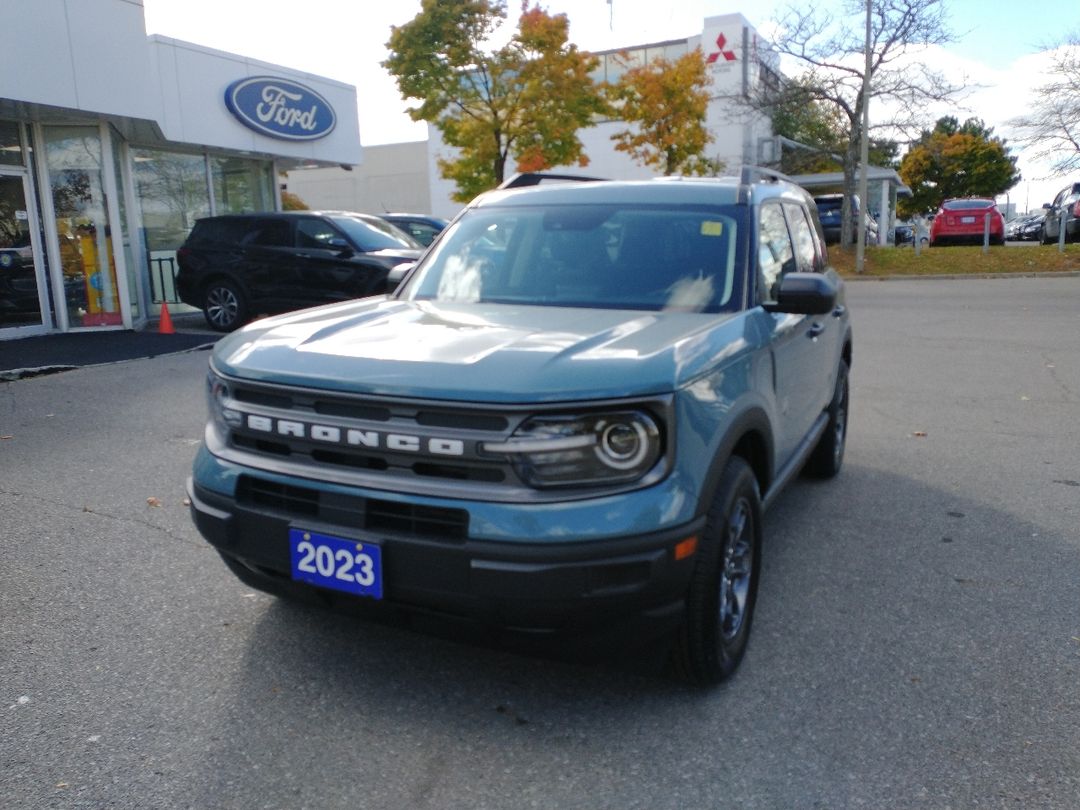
291	214
662	190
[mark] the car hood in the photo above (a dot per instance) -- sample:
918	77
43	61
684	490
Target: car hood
481	352
393	254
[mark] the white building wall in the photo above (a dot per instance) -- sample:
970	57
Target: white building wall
393	177
78	55
93	57
191	84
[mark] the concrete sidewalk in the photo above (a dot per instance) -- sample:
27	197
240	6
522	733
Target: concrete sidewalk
47	354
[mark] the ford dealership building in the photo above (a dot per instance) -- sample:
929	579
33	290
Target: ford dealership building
112	143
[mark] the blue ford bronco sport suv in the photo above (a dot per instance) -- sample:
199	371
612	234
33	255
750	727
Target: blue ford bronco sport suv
566	420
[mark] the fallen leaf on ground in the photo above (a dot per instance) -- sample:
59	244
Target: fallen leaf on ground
152	501
919	434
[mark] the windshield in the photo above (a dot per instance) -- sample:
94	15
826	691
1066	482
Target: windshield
605	256
375	234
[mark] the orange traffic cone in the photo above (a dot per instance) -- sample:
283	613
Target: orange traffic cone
165	326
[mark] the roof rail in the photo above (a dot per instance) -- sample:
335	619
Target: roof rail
523	179
751	174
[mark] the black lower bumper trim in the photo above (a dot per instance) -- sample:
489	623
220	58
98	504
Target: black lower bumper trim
535	588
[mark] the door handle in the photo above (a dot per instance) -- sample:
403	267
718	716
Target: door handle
839	311
815	331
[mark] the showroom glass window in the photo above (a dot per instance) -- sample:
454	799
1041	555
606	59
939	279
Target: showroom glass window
10	146
242	186
173	193
74	164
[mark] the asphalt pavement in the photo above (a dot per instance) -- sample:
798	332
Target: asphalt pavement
916	643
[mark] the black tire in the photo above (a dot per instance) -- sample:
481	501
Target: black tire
827	458
224	306
723	587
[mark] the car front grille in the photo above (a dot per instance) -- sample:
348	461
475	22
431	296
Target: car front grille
368	514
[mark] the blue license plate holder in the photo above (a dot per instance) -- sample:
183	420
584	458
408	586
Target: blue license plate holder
340	563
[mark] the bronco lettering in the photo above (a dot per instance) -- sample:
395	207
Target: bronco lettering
371	439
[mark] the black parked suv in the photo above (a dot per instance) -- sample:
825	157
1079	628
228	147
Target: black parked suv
239	265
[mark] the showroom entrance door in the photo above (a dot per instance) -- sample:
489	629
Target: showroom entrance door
23	292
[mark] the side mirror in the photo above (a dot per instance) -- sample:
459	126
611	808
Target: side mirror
805	294
1047	206
394	277
337	243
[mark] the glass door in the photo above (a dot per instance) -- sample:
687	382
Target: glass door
22	295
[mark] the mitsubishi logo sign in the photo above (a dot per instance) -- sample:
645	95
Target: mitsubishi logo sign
729	56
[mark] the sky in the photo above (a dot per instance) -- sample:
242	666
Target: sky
998	50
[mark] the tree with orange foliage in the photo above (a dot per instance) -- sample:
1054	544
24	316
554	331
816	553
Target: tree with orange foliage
521	104
665	102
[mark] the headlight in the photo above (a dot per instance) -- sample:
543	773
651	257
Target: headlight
217	404
594	449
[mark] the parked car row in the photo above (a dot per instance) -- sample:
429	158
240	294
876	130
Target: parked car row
234	267
1025	228
967	221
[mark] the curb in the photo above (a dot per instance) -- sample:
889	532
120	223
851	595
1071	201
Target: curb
12	374
964	276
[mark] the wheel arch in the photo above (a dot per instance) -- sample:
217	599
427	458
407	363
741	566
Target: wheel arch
750	437
222	275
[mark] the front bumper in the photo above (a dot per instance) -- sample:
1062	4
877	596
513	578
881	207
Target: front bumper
607	587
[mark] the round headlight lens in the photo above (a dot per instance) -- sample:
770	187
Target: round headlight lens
622	445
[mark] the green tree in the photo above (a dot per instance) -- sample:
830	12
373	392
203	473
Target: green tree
956	160
664	102
522	103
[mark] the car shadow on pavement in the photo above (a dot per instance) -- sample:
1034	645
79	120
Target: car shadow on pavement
940	630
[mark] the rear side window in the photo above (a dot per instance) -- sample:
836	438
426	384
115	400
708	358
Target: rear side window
271	233
219	232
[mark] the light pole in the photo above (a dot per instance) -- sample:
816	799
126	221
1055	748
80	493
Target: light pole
864	151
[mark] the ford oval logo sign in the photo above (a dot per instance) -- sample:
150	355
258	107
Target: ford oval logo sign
280	108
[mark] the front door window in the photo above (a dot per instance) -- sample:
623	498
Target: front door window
20	302
91	294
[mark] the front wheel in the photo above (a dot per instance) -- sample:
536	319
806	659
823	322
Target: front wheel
723	588
223	306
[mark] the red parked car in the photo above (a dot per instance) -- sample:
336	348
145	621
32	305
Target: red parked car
963	221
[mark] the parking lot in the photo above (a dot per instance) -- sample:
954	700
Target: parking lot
916	642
